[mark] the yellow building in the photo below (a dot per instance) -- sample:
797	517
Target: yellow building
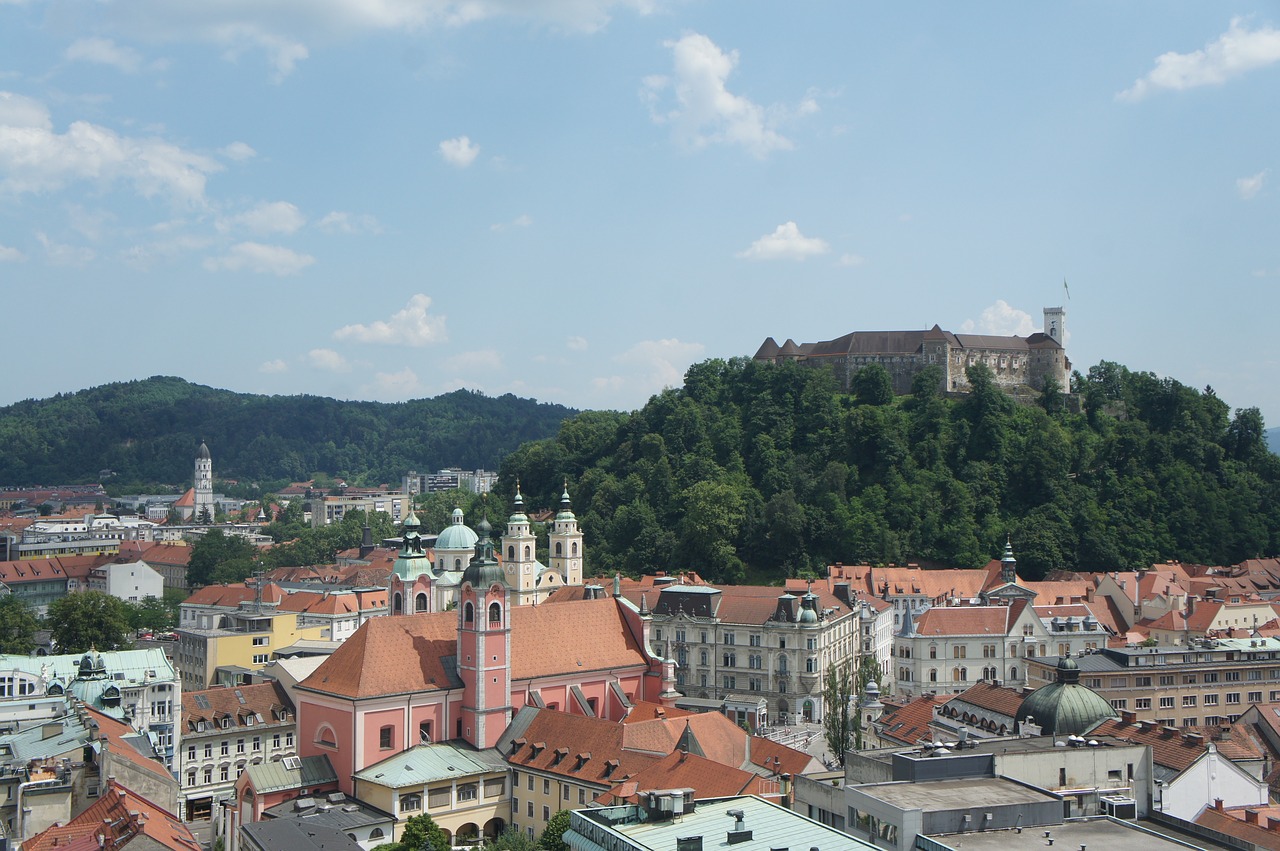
243	641
463	790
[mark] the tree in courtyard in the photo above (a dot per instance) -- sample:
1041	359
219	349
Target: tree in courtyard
18	626
153	614
837	694
552	838
216	556
86	619
421	833
511	839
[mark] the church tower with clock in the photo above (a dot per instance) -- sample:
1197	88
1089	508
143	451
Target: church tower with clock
203	486
519	549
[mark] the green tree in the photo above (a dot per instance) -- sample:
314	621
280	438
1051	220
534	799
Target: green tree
152	613
213	550
86	619
421	833
872	385
837	694
552	838
511	839
18	626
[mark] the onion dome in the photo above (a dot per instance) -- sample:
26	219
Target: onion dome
484	570
412	560
457	535
809	609
566	507
203	452
517	507
1065	708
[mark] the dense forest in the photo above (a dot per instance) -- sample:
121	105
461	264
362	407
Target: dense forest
148	432
755	471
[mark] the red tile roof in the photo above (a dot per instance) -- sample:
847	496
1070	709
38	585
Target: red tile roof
998	699
964	620
118	817
707	779
910	723
235	703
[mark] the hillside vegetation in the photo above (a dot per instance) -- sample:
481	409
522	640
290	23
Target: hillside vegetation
148	431
760	470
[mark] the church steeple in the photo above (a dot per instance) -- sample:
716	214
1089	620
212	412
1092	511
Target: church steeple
565	542
484	645
1008	564
519	549
203	510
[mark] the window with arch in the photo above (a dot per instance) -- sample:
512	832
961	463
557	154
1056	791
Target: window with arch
457	564
420	603
1013	672
933	675
574	548
526	553
559	548
376	833
511	552
396	605
326	737
468	613
495	613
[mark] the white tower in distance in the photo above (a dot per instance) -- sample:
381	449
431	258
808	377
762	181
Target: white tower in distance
1055	324
203	485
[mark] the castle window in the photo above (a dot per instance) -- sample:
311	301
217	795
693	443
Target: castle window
495	613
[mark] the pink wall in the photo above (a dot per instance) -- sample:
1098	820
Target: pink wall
310	719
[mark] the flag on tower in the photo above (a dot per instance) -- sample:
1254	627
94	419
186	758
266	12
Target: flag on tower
1066	289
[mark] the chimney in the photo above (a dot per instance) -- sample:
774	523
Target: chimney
1218	805
1089	594
1273	823
739	832
1251	816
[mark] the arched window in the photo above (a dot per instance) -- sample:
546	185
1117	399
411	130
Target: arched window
326	737
526	553
559	548
468	613
511	553
574	548
376	833
420	603
495	613
396	605
933	675
457	564
1013	672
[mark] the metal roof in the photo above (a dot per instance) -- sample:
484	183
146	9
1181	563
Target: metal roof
275	777
424	764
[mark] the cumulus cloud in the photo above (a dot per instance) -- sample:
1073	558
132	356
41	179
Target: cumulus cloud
267	217
1235	52
649	366
521	221
459	152
104	51
785	243
263	259
240	27
1002	320
396	385
60	254
274	366
9	254
577	344
706	112
1248	187
482	359
411	326
339	222
238	151
144	255
35	158
328	360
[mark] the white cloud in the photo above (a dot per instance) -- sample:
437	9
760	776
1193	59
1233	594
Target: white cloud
60	254
266	217
577	344
260	258
1235	52
339	222
328	360
412	326
273	366
9	254
34	158
524	220
482	359
396	385
1251	186
238	151
459	152
649	366
104	51
852	260
1002	320
785	243
143	256
706	112
282	31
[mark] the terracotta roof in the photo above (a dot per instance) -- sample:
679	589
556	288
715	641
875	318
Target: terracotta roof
911	580
644	710
119	816
707	779
231	596
118	734
187	500
910	723
964	620
1231	821
261	699
1174	749
999	699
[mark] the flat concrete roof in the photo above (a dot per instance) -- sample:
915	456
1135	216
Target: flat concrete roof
1099	833
943	795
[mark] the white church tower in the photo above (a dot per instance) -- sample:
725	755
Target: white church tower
519	549
203	485
565	542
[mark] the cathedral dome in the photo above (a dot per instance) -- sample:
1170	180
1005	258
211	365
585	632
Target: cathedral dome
457	535
1065	708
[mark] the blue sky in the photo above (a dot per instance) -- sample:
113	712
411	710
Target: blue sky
575	199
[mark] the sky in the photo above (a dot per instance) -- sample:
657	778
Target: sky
574	200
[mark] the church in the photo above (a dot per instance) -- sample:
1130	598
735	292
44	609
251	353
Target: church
197	504
1014	361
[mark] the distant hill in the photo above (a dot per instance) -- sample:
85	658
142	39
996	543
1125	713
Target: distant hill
149	431
1272	436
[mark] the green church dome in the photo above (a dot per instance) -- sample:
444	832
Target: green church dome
1065	708
457	535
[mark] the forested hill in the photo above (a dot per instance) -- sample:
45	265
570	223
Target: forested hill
149	431
755	470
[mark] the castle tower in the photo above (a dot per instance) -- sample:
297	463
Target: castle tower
519	552
565	542
203	486
484	645
1055	324
1008	565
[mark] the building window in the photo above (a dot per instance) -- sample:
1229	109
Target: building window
728	638
958	652
1188	700
410	802
226	749
1142	703
1167	702
1233	697
261	658
467	791
384	737
257	743
260	641
1210	700
224	773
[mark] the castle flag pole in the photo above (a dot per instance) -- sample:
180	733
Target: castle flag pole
1066	289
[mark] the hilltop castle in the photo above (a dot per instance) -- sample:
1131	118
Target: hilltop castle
1015	361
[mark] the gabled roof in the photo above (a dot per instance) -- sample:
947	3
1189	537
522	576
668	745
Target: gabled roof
120	742
237	703
909	724
425	764
231	596
118	817
964	620
994	698
707	779
278	776
1177	749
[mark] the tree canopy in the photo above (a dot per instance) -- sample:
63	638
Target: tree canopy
18	626
89	619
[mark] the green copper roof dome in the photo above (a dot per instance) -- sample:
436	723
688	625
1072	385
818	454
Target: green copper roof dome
412	561
517	508
484	570
457	535
1065	708
566	507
